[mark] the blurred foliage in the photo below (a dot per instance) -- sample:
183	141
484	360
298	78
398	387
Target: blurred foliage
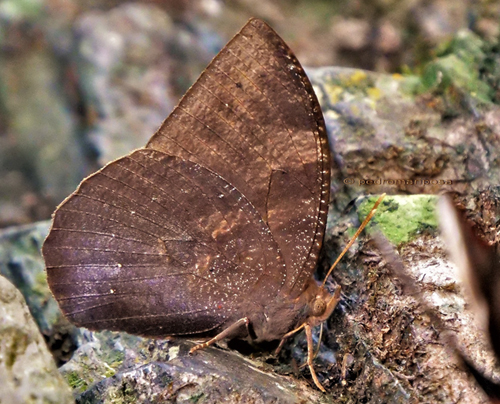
457	68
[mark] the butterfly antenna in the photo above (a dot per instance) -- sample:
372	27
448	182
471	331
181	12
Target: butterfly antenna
353	239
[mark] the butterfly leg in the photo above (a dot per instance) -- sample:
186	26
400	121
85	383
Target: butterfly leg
288	334
223	334
310	356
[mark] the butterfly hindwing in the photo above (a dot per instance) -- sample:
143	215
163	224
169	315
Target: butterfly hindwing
156	245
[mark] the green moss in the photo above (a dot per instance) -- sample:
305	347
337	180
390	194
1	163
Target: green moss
489	68
351	231
114	358
41	287
455	71
196	397
466	45
109	372
109	354
76	382
451	71
401	218
15	343
356	82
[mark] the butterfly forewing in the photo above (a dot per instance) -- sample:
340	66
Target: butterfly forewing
253	118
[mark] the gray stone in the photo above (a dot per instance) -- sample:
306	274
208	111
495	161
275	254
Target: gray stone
387	138
129	61
116	367
377	347
28	372
22	264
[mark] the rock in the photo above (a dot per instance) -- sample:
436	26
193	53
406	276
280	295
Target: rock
123	68
44	140
390	348
107	365
351	34
439	20
131	62
41	151
386	138
21	263
27	369
122	367
379	345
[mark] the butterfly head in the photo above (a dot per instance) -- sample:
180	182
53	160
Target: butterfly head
318	306
319	303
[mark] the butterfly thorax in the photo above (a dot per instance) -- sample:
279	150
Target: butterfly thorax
284	314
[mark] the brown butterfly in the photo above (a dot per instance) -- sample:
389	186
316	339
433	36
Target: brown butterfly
213	229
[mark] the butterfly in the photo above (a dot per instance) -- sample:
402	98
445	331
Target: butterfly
213	229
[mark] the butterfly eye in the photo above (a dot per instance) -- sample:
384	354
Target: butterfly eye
318	306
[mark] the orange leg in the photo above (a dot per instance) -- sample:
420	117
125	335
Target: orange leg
288	334
223	334
310	356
